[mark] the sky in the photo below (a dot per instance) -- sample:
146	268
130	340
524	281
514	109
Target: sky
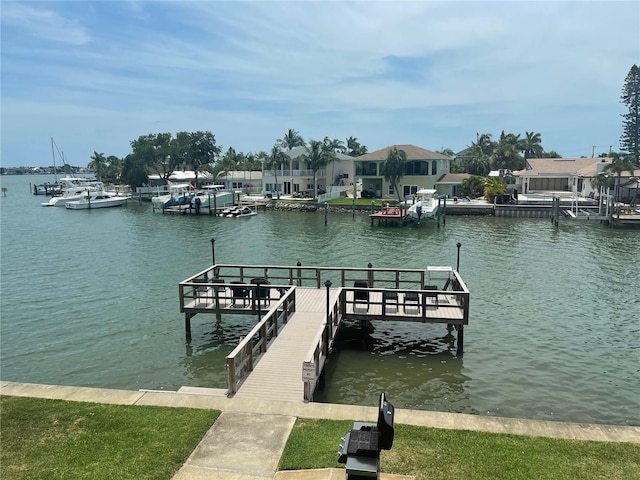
96	75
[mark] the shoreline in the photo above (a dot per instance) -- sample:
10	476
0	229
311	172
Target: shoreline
214	399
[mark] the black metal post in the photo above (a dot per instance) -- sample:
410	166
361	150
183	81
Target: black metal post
213	250
458	261
328	325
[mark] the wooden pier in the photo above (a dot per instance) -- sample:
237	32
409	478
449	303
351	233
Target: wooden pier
300	309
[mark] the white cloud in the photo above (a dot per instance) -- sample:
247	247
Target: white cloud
43	23
377	70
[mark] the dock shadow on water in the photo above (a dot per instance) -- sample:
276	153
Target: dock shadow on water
420	369
205	354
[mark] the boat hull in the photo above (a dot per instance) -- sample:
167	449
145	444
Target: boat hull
85	205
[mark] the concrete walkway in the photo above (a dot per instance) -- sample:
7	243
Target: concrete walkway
247	440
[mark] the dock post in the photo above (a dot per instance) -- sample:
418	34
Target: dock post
326	209
458	259
460	346
370	275
213	251
187	326
328	321
444	212
299	273
353	203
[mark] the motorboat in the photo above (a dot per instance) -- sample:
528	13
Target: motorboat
179	194
426	205
97	199
73	193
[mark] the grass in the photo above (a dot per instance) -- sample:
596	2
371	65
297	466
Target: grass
47	439
430	453
55	439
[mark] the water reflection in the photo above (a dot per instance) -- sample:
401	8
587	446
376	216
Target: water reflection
418	369
204	361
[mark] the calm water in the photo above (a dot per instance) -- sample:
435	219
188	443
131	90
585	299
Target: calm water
90	298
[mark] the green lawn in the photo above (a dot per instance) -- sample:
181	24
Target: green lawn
430	453
55	439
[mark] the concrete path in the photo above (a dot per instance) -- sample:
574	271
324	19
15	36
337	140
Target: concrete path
239	446
247	440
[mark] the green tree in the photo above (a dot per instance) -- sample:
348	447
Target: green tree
619	165
134	172
154	153
98	164
319	156
493	187
114	169
354	149
630	139
447	151
275	160
195	150
291	139
506	153
532	145
393	169
472	186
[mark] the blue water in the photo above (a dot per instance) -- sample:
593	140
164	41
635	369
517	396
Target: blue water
91	298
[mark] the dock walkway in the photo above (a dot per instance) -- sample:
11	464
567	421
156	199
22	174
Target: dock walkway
278	374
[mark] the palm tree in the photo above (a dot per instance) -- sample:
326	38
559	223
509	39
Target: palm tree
98	164
291	139
618	165
393	168
532	146
335	145
493	187
319	156
506	153
354	148
275	160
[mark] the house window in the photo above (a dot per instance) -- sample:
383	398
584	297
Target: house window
409	190
391	192
434	167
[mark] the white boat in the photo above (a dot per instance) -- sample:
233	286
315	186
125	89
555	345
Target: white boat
98	199
179	194
426	205
74	191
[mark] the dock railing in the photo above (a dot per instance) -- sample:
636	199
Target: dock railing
312	275
321	347
386	286
241	361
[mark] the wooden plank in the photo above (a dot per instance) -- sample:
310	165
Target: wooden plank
278	374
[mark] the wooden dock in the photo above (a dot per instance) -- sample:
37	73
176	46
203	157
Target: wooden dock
278	374
283	356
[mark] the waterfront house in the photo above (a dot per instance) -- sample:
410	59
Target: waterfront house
296	179
561	175
423	169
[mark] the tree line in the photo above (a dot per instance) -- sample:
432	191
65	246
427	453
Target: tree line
162	153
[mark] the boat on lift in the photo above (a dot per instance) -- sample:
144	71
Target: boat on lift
426	205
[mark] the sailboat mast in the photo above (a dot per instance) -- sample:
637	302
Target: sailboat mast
53	153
